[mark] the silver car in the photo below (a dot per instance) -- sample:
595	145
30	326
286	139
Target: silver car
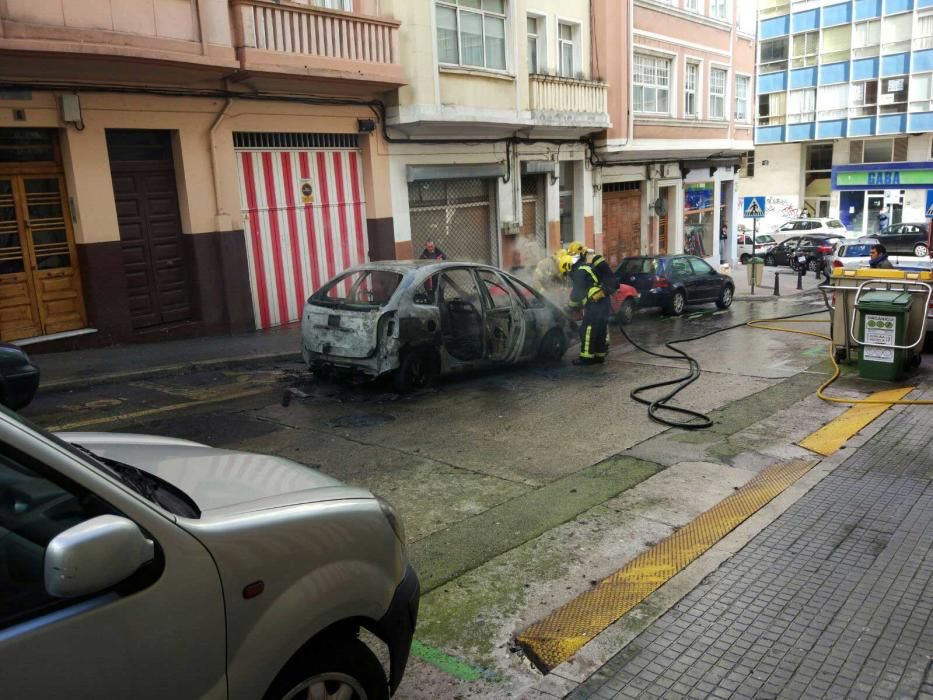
420	320
134	566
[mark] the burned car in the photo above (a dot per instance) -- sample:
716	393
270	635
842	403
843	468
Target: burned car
418	320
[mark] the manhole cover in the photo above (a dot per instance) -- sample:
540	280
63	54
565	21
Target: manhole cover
362	420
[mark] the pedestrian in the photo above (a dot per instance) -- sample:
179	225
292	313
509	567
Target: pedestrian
432	252
587	292
878	258
723	238
882	220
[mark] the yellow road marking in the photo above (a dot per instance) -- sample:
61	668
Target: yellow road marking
118	417
559	636
837	432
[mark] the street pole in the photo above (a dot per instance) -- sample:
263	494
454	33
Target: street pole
754	259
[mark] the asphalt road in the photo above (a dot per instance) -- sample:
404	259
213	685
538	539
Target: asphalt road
518	487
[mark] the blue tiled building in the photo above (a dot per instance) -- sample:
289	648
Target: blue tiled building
841	85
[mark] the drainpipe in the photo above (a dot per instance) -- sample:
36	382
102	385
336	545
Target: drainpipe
630	136
221	215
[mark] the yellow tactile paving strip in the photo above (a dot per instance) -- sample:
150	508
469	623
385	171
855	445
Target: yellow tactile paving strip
837	432
559	636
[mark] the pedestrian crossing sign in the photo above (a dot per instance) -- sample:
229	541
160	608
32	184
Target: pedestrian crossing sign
753	207
930	204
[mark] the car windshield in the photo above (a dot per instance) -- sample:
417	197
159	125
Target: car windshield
359	288
634	266
764	238
833	223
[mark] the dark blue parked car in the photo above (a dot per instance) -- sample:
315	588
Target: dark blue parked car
674	281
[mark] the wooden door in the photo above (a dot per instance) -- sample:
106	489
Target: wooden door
621	223
150	230
40	288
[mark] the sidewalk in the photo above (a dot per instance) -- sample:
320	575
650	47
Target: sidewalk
83	367
787	283
832	599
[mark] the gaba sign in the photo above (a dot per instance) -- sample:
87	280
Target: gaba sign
884	177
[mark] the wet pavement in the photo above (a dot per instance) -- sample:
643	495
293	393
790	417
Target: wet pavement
518	487
832	600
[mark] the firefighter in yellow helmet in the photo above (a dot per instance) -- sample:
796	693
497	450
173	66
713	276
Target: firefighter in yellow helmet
597	262
547	272
591	294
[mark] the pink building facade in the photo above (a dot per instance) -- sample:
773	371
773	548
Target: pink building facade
681	100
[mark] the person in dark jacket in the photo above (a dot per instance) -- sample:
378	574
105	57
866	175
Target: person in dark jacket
589	293
879	258
432	252
599	264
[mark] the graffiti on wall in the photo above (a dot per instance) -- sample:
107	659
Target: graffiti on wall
778	209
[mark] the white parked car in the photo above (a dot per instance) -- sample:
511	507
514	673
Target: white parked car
134	566
763	243
853	254
807	227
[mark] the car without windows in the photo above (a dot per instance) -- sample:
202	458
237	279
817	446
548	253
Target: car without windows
673	282
419	320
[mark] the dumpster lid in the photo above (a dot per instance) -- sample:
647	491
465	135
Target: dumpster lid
886	298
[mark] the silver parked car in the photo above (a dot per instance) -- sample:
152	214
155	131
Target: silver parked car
134	566
420	320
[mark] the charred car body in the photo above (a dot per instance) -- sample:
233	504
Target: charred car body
420	320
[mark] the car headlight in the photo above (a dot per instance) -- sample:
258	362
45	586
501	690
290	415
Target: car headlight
395	522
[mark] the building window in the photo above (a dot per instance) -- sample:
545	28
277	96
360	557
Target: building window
894	29
837	43
691	78
535	35
652	80
817	177
772	109
893	96
863	98
692	5
832	102
801	107
877	151
805	49
717	93
345	5
923	33
718	9
471	33
741	98
567	49
748	165
921	92
773	55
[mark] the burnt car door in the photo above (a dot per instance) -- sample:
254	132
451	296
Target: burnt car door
503	321
538	315
461	315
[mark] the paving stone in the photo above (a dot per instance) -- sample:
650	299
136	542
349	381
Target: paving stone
833	599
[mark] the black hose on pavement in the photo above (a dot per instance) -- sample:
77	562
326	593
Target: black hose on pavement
695	420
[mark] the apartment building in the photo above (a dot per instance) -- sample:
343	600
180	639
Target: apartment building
486	156
680	77
844	111
181	167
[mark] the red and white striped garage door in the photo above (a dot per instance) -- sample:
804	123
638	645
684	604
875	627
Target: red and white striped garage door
304	212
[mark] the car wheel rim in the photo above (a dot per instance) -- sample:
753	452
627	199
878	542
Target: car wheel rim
921	251
419	372
726	296
628	313
812	265
328	686
678	303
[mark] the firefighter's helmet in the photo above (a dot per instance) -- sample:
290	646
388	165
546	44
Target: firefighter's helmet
566	264
576	248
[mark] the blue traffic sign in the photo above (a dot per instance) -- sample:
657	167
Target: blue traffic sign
930	204
753	207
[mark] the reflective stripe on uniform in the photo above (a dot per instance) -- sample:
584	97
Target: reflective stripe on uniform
585	350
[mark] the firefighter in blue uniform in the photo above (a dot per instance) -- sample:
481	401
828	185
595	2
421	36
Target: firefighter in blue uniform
589	292
599	264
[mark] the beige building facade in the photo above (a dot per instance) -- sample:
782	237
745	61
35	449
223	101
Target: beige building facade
487	156
180	167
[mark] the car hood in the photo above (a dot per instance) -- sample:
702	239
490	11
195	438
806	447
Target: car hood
215	478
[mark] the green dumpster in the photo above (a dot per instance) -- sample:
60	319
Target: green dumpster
883	326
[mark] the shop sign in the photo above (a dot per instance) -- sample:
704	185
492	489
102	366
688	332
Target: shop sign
698	196
909	176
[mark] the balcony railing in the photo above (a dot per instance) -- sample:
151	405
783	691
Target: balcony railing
303	31
550	93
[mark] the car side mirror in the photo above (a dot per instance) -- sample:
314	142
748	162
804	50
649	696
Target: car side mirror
95	555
